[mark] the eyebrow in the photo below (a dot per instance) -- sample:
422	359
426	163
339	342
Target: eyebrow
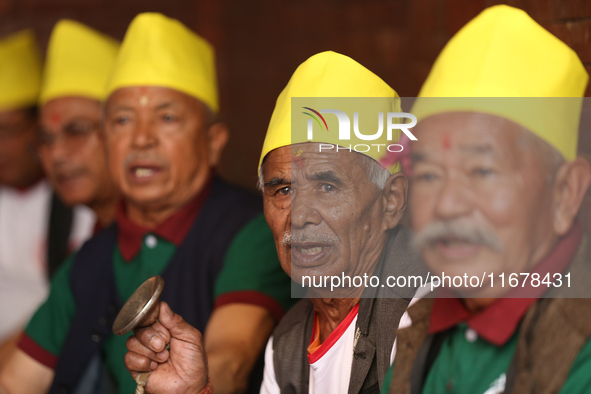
417	157
483	149
120	107
276	181
326	176
165	105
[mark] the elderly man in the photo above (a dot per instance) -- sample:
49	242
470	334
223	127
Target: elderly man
36	229
496	188
331	212
70	143
208	239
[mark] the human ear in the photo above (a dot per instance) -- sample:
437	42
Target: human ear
395	196
570	186
218	135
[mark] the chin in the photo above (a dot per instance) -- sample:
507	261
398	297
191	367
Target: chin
72	200
319	272
80	194
145	196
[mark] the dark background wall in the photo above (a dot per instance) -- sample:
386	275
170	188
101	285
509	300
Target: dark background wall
260	43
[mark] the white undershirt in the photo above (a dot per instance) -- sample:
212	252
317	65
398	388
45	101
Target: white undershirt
329	374
332	372
24	219
332	375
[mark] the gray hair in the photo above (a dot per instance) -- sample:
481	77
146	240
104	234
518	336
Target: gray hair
376	173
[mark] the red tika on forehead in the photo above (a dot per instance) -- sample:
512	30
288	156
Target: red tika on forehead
296	158
55	119
143	96
446	142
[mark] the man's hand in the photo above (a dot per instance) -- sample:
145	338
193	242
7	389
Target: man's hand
180	370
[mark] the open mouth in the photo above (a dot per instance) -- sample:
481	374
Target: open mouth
452	241
143	172
455	247
311	251
308	254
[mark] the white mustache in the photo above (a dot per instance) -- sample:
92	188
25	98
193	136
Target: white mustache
148	156
308	235
463	229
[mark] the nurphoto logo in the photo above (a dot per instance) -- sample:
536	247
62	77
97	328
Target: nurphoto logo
393	122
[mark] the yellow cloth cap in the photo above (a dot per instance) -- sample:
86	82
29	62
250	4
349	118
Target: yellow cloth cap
160	51
20	71
79	61
503	53
327	75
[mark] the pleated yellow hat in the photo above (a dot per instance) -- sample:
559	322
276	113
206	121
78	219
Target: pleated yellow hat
536	80
328	75
20	71
160	51
79	61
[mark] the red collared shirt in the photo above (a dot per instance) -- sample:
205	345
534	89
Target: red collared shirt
174	229
497	323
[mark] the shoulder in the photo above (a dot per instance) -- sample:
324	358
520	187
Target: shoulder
579	379
228	208
60	283
105	237
90	261
256	237
223	192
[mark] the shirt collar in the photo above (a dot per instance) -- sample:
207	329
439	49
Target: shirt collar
174	229
497	323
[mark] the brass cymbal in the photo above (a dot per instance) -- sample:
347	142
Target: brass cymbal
142	308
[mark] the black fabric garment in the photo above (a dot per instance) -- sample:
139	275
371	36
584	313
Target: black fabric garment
190	277
59	228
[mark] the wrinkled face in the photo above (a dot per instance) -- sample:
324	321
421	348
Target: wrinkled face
19	165
160	150
325	215
480	200
72	150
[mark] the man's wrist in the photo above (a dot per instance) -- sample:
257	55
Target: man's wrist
208	389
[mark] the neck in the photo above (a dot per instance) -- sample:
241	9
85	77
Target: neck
475	305
331	312
149	218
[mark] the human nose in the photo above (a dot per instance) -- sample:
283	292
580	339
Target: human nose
304	209
454	198
144	134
